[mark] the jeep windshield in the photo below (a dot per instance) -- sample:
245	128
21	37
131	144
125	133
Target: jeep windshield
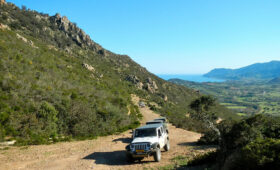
145	132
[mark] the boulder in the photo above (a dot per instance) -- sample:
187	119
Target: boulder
139	85
149	88
150	85
3	27
132	78
89	67
165	98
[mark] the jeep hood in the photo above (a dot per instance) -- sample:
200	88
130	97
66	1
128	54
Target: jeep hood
145	139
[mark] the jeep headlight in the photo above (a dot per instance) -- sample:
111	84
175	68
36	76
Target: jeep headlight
148	146
131	146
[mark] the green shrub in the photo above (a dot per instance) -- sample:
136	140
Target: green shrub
47	114
259	154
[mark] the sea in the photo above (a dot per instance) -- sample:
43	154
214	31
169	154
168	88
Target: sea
190	77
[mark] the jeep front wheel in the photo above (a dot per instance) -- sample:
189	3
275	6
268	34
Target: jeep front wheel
157	155
167	146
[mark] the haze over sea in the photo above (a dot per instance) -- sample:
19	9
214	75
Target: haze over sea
190	77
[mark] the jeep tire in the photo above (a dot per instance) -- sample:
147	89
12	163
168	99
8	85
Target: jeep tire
167	146
157	155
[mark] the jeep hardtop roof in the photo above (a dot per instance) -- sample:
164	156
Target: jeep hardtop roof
161	118
156	121
150	126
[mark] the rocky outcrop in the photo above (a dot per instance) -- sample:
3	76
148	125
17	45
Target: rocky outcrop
150	85
77	34
2	2
135	80
26	40
3	27
88	67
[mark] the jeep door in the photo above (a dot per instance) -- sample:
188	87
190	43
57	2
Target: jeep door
161	138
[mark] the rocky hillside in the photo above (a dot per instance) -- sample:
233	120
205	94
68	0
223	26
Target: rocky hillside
57	83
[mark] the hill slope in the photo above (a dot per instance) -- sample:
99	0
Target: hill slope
56	83
255	71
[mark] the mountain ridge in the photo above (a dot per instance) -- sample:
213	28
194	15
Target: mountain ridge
268	70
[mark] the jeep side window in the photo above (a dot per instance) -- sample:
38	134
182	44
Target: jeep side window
159	133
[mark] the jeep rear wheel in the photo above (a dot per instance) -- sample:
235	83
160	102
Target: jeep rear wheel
167	146
157	155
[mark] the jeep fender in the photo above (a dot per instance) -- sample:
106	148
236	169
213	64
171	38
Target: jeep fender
155	145
127	147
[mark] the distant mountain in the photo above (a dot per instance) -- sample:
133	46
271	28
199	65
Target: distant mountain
267	70
275	81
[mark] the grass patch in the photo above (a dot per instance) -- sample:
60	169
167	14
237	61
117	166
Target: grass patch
177	162
227	104
236	107
180	161
5	148
241	114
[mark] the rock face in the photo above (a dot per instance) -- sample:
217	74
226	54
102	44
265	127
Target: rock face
150	85
77	34
135	80
2	2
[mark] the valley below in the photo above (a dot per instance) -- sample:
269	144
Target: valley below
244	97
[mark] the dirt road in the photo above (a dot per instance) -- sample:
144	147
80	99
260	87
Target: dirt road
103	153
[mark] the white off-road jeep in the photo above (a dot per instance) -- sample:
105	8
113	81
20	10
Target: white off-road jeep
147	141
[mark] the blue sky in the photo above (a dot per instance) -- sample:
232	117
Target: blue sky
177	36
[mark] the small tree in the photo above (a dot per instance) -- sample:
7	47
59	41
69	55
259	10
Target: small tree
201	108
48	115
